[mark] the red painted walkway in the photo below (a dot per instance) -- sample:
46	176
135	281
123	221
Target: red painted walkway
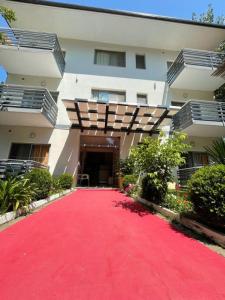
100	245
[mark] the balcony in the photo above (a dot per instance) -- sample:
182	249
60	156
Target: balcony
15	167
194	70
201	118
184	174
31	53
27	106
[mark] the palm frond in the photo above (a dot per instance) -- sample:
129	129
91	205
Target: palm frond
217	151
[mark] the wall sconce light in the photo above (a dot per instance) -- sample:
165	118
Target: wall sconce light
185	95
32	135
43	83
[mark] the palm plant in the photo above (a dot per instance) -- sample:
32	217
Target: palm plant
15	193
217	151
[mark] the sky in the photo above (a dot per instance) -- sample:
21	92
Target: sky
171	8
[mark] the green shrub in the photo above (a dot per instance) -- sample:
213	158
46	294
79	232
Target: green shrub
15	193
157	158
177	201
153	188
56	187
42	179
126	166
129	179
207	193
65	181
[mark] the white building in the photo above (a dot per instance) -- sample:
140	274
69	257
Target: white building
85	84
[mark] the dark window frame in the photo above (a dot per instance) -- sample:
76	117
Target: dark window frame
139	64
30	150
142	95
122	93
123	65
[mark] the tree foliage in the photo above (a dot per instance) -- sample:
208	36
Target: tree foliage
15	193
160	154
8	14
156	159
209	17
207	193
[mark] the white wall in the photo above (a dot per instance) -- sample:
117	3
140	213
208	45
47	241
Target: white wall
82	75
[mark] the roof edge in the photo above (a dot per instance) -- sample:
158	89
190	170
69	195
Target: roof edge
118	12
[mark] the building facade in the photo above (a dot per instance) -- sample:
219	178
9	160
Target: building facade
84	85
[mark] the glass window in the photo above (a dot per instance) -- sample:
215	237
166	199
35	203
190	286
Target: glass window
195	159
140	61
107	96
142	98
36	152
110	58
177	103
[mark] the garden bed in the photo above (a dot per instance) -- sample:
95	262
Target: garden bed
217	237
9	216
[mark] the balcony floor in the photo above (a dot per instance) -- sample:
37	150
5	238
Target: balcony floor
197	78
28	61
24	117
205	129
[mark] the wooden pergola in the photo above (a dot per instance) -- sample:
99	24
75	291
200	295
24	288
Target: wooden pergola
117	116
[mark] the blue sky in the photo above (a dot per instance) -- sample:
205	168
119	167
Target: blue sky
171	8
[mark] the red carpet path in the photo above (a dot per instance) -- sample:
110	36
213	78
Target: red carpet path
97	244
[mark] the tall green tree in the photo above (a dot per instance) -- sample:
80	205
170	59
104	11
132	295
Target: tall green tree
155	159
10	16
7	14
209	17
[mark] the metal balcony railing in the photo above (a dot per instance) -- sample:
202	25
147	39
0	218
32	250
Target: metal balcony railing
197	110
15	167
34	40
191	57
184	174
25	97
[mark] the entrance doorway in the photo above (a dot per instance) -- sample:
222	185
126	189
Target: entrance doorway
99	160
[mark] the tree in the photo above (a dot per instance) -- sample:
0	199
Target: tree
156	159
8	14
208	17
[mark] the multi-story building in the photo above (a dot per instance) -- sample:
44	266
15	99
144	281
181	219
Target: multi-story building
86	84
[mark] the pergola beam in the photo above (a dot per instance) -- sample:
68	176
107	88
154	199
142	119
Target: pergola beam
133	120
106	117
158	122
78	115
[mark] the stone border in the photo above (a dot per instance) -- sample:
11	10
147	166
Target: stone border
9	216
217	237
164	211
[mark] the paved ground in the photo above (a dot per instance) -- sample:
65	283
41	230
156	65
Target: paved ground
101	245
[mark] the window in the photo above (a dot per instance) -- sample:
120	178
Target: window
36	152
140	61
110	58
177	103
142	98
195	159
107	96
169	64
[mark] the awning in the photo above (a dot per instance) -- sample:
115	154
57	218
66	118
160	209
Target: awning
119	117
